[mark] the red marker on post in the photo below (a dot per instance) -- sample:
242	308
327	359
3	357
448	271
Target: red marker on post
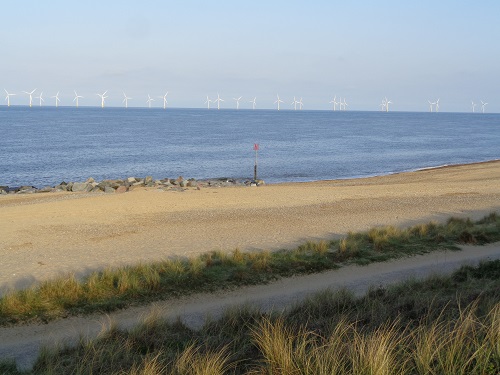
256	149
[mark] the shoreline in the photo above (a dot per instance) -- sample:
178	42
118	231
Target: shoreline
47	235
224	181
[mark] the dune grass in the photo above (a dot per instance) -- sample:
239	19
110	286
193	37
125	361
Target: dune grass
117	288
441	325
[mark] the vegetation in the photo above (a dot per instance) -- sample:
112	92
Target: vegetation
117	288
442	325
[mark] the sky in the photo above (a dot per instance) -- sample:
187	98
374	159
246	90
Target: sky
363	51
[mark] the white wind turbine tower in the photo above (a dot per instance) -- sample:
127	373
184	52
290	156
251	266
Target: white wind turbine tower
150	99
294	103
125	100
76	98
218	100
473	106
207	102
300	104
345	104
430	105
165	102
31	95
483	105
8	97
103	96
387	102
40	98
334	103
278	101
437	105
253	102
238	102
57	98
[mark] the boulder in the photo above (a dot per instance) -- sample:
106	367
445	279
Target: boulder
192	183
90	180
148	180
3	192
183	183
81	186
121	189
108	189
46	189
131	180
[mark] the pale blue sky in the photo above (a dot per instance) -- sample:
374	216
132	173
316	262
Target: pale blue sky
410	52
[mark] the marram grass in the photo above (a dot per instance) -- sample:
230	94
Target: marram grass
382	332
111	289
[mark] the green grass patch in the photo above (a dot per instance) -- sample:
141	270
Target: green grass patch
117	288
440	325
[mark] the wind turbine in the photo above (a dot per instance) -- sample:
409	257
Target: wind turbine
103	96
150	99
294	103
57	98
430	105
207	102
31	95
334	102
125	100
473	106
345	104
300	104
437	105
40	98
253	102
278	101
386	102
76	98
8	97
238	102
164	97
218	100
483	105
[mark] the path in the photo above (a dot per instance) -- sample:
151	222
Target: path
22	343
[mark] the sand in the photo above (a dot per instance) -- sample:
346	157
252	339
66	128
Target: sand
45	235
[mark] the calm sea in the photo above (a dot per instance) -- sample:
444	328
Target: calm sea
44	146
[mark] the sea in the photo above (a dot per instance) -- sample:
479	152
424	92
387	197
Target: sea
45	146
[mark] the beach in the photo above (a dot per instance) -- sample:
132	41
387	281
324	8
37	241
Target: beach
50	234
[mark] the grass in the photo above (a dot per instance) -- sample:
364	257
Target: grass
441	325
113	289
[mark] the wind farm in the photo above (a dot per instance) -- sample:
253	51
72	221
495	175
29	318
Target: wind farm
339	104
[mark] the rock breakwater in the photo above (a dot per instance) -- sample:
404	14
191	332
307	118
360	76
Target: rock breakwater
124	185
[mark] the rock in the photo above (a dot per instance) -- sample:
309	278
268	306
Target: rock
108	189
46	189
148	180
3	192
192	183
95	189
80	186
183	183
69	187
31	190
260	182
5	188
90	180
121	189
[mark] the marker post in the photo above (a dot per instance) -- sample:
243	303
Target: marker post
256	149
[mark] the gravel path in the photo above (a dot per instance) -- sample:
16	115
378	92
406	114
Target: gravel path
23	343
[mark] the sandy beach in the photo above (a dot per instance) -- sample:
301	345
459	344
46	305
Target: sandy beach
44	235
